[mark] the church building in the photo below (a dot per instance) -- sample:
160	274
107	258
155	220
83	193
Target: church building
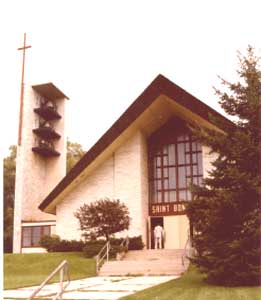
147	159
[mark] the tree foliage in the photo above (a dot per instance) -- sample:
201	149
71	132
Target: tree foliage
103	218
9	184
225	211
74	153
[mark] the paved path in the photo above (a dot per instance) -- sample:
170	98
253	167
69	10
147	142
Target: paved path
94	288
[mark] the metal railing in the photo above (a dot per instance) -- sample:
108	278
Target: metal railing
63	268
188	250
125	242
104	253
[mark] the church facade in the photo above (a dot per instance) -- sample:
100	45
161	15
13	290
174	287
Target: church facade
147	159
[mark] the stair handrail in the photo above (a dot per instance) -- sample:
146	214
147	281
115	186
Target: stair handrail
125	242
184	254
100	257
64	269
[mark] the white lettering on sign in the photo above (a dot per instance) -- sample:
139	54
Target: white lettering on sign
167	208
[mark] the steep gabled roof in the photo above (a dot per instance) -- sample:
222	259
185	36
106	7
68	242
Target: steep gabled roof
160	85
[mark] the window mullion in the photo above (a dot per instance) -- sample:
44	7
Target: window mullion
177	173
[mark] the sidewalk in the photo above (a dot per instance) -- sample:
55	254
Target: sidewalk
94	288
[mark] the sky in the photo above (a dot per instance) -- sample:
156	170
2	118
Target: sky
103	54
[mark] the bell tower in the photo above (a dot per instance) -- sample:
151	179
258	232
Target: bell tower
40	161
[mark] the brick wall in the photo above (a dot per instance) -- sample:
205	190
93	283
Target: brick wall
35	176
122	176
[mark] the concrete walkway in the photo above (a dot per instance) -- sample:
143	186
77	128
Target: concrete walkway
94	288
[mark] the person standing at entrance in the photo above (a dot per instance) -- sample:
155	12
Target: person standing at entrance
158	236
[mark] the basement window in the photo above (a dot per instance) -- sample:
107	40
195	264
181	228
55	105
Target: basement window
31	235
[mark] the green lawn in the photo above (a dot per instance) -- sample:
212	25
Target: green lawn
31	269
191	287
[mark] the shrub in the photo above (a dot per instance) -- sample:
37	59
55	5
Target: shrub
55	244
50	242
135	243
92	248
117	249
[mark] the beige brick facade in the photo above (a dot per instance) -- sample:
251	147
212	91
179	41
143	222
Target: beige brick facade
122	176
35	176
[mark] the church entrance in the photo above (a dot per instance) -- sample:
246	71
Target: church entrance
154	221
176	231
175	162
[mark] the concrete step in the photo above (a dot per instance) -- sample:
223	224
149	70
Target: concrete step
146	262
162	254
127	268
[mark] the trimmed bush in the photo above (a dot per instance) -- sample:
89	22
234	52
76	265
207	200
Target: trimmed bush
91	250
117	249
53	243
135	243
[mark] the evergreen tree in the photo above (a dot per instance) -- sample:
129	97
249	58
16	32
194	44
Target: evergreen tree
225	210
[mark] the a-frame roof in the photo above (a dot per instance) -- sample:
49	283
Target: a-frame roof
159	86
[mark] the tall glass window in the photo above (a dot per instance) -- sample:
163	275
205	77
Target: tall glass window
175	163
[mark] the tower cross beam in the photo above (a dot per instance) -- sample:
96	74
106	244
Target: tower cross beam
24	48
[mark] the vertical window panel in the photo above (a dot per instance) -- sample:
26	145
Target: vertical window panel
26	236
158	161
200	164
187	157
172	178
182	177
195	170
165	160
172	159
166	172
181	154
160	197
172	196
166	184
194	146
159	185
36	235
166	196
182	195
188	170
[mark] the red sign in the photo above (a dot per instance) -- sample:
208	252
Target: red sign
166	209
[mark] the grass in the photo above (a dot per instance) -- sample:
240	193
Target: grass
192	287
22	270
